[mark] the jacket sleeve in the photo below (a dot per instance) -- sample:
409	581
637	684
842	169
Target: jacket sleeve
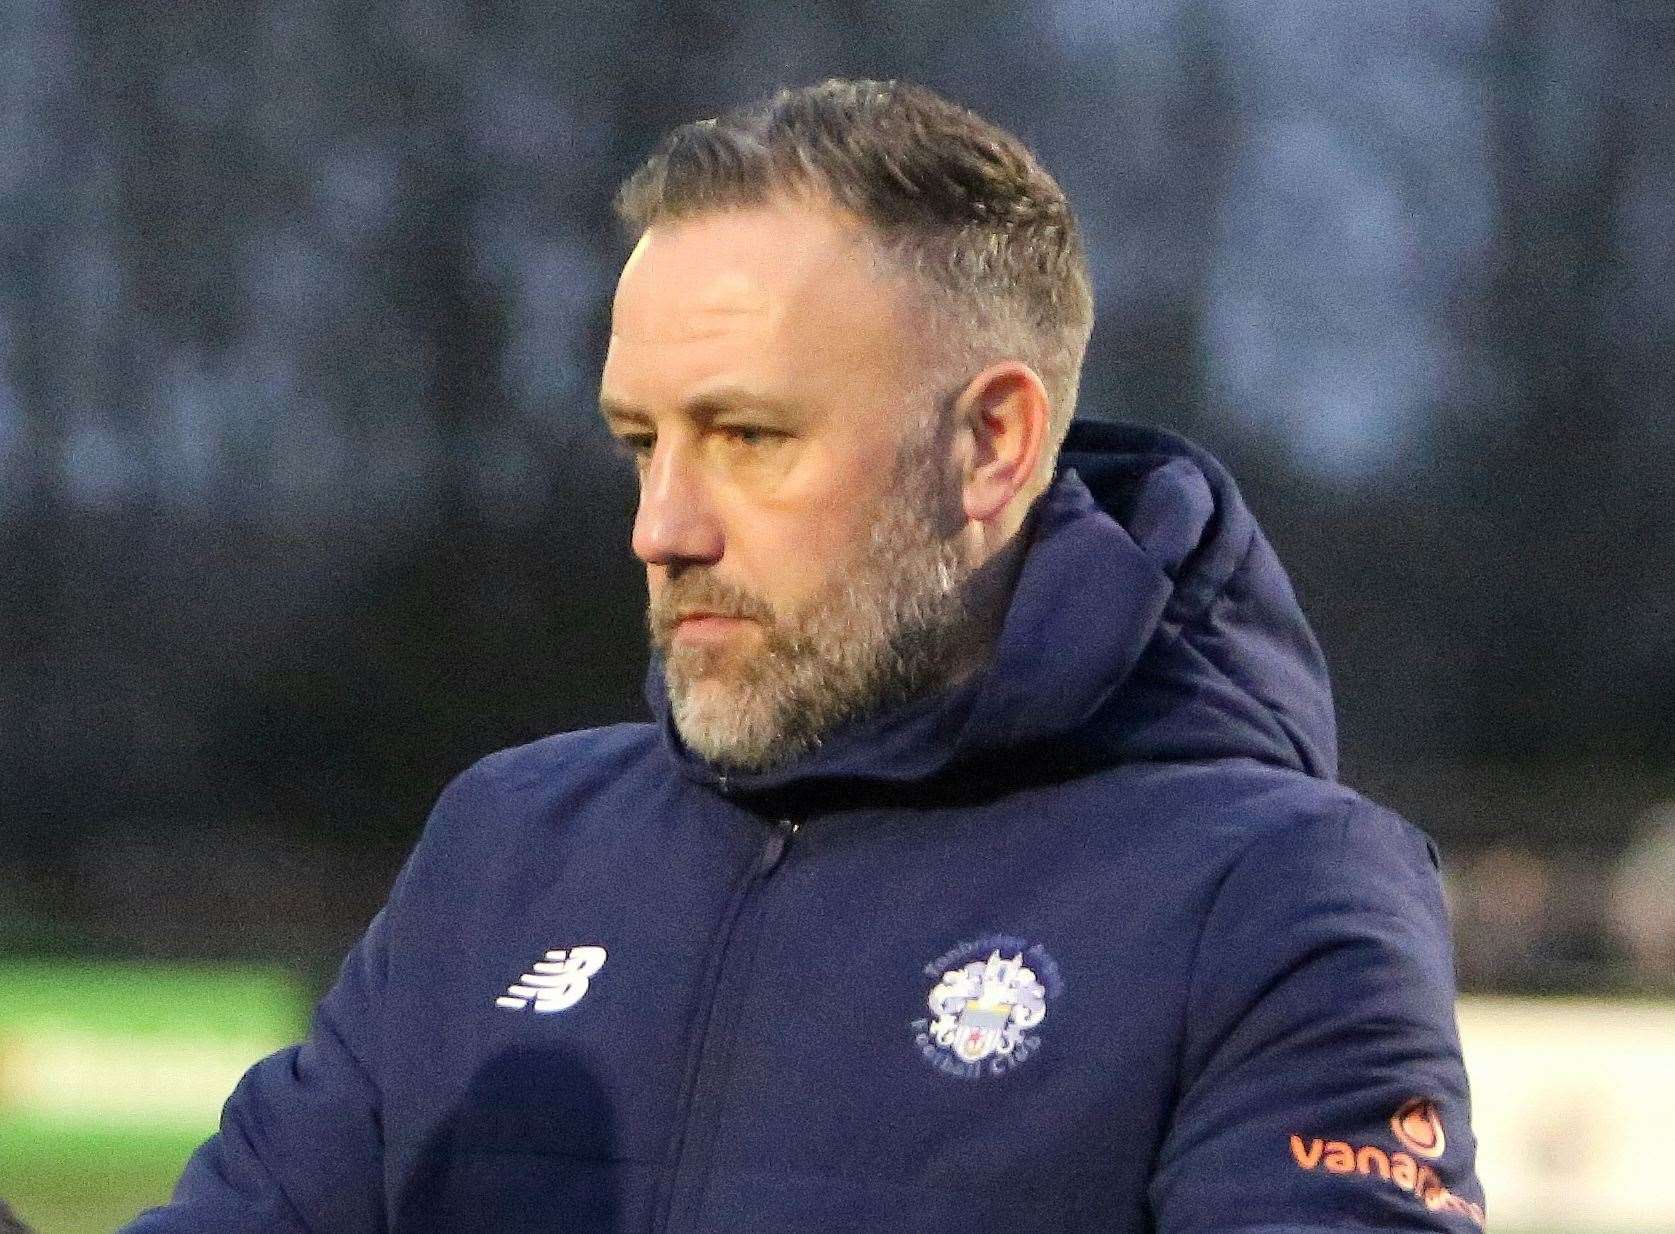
300	1144
1321	1083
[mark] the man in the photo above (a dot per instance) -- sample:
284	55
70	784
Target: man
984	867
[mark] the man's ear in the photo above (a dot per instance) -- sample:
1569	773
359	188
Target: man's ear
1005	409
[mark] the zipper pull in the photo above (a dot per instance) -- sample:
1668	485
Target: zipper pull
779	839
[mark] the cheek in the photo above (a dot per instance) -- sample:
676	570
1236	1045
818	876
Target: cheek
792	561
792	544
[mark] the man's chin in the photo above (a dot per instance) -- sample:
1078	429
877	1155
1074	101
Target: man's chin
715	728
706	672
709	695
706	700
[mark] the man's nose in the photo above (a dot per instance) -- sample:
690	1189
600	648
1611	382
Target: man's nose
675	524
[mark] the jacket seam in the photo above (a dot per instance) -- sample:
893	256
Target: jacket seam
1036	1193
1228	673
1341	818
700	1022
361	1065
377	1110
724	1078
1195	612
283	1192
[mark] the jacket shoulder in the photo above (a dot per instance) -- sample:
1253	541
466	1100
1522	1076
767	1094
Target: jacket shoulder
591	753
525	794
1260	810
1328	830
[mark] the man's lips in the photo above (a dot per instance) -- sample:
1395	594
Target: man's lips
700	624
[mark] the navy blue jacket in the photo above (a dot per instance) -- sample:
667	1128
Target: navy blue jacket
1093	941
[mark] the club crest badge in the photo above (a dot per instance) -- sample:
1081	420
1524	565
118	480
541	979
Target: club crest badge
989	997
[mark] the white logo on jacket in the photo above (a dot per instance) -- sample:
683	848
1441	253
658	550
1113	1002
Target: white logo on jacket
991	993
556	982
984	1007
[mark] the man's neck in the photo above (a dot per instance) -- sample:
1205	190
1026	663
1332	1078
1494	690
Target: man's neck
989	591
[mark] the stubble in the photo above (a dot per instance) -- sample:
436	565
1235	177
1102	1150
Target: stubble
889	626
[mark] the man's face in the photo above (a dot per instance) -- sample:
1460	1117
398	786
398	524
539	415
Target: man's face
798	503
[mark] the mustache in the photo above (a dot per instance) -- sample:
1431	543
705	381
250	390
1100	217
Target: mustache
705	592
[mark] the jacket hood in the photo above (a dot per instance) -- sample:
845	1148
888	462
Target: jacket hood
1151	621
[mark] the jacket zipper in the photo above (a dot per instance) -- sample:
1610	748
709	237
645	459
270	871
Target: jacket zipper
700	1090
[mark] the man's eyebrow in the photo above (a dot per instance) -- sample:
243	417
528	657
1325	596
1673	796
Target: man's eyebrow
612	409
705	406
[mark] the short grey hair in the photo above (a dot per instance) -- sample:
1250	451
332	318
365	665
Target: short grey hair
957	204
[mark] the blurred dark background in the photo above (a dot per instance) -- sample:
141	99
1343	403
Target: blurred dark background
304	505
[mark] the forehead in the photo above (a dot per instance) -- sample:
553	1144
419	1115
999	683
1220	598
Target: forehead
780	293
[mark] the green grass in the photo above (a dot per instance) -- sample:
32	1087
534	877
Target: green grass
88	1182
111	1074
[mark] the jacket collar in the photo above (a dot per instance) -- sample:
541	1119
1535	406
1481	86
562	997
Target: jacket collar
1113	646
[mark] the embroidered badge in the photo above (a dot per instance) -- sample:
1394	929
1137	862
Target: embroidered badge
555	983
989	997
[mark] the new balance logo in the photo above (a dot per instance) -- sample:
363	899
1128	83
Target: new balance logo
555	983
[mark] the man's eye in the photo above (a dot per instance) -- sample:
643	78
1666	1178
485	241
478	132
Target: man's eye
749	434
635	446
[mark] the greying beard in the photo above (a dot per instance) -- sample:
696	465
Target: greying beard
890	627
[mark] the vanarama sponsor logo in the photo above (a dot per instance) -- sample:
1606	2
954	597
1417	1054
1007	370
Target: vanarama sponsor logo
1418	1127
